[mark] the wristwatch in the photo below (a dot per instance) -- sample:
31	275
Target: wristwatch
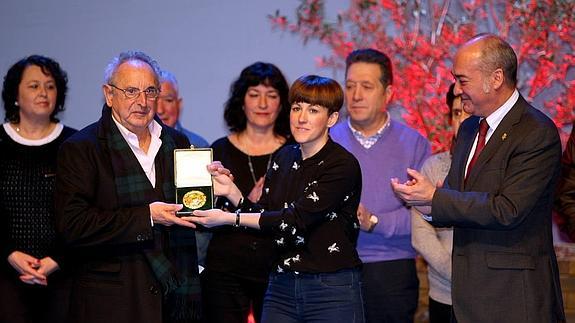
372	223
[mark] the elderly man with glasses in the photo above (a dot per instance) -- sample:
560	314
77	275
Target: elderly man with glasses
134	259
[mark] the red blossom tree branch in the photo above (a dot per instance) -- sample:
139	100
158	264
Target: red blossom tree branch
421	39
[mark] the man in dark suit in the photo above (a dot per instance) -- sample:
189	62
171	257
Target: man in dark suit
565	197
134	259
498	194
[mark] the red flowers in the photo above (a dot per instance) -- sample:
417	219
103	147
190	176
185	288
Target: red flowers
421	40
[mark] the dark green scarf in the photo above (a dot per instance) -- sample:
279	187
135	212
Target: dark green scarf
173	259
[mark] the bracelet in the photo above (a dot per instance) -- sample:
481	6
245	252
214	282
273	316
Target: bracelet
240	202
237	224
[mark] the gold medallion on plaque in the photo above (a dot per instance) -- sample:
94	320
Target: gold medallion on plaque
194	199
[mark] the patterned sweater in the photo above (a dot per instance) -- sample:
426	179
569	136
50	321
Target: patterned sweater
310	208
27	174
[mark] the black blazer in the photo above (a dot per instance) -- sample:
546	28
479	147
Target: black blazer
565	197
113	281
504	265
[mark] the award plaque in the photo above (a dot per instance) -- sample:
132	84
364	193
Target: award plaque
193	181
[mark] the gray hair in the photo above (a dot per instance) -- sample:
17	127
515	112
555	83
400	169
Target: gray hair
131	55
167	76
497	53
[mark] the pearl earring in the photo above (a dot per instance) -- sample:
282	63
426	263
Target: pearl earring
16	103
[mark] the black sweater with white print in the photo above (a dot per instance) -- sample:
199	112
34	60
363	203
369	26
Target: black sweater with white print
310	207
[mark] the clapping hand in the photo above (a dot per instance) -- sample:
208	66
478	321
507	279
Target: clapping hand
417	191
256	191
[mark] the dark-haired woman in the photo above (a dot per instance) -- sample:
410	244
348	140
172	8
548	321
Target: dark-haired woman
238	260
309	203
32	286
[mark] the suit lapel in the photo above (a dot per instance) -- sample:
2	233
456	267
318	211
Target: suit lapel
463	145
502	133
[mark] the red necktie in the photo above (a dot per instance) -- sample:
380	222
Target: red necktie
483	127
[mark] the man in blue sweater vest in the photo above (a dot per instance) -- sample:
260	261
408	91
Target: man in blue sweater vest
384	148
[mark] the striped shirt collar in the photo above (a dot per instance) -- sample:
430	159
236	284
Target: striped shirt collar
368	142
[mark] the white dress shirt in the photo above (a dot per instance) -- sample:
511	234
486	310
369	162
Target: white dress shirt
146	160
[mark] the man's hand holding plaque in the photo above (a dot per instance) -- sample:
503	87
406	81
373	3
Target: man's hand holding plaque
194	189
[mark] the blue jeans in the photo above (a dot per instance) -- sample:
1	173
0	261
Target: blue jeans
328	297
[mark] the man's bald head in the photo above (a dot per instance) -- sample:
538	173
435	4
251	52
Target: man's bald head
493	53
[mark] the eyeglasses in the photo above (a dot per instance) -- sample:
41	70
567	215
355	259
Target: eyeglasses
151	93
